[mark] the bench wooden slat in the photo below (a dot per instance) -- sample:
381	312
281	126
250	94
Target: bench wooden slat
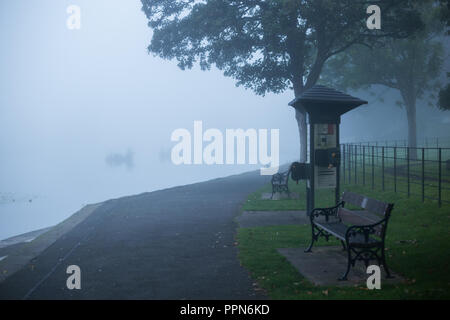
335	228
360	218
353	198
376	206
369	204
339	230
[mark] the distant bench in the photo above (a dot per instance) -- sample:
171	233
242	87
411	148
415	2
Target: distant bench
362	233
280	182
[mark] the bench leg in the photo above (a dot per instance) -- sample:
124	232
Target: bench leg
349	264
313	238
383	260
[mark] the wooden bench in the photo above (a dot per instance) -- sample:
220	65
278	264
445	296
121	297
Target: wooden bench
362	233
280	182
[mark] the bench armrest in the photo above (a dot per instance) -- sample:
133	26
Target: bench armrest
327	212
366	230
281	177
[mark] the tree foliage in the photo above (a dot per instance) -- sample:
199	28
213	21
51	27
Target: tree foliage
445	13
412	66
444	98
269	45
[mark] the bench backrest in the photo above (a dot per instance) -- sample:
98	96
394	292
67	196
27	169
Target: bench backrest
368	204
374	211
281	177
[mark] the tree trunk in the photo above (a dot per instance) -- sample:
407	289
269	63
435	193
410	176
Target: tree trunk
300	116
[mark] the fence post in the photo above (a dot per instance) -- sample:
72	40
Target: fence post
395	169
376	148
440	178
349	164
407	170
356	164
423	175
382	168
364	164
343	162
373	167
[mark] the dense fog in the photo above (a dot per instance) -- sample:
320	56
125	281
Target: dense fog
87	115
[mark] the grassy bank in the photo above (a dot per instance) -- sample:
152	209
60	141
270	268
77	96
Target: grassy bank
418	243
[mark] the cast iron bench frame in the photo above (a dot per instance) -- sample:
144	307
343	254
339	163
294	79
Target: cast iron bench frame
362	233
280	182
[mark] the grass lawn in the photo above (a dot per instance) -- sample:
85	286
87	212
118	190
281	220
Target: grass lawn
418	248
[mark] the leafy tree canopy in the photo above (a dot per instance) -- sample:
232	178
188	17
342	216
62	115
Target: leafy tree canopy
445	13
444	98
412	65
269	45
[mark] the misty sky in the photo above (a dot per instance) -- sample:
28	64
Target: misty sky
86	115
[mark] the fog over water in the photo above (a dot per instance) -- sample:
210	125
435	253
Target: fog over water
87	115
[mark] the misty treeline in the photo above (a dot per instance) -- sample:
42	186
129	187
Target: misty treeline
413	66
277	45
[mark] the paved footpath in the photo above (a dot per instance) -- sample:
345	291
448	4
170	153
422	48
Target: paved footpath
176	243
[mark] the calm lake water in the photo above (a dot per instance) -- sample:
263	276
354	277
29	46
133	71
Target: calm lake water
37	205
